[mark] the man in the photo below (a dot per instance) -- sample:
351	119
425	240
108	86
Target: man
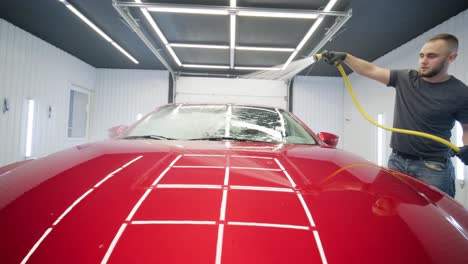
428	100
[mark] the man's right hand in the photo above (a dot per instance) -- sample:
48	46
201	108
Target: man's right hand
333	57
463	154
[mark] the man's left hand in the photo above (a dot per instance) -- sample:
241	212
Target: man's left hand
463	154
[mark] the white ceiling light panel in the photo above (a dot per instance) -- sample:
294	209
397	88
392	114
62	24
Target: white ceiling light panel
205	66
233	11
98	30
199	11
198	46
276	14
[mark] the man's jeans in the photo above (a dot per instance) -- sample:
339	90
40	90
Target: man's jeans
440	175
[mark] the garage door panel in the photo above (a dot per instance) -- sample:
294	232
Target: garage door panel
239	91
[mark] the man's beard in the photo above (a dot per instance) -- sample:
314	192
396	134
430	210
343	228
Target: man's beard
433	72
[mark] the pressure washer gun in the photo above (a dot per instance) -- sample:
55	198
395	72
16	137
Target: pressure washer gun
334	58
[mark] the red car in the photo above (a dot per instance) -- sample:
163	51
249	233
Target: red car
222	184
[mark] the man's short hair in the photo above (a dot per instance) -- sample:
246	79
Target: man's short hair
451	40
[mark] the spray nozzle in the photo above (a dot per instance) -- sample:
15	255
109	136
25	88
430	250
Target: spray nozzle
317	56
331	57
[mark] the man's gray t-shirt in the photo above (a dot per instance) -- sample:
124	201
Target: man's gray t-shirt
426	107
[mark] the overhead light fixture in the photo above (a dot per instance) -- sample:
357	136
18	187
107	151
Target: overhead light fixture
205	66
232	38
276	14
154	26
330	5
174	56
233	3
312	29
88	22
289	60
98	30
124	52
309	33
198	46
161	36
200	11
265	49
257	68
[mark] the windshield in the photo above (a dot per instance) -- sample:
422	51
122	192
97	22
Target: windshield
222	122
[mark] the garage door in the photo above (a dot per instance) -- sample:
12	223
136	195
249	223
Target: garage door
239	91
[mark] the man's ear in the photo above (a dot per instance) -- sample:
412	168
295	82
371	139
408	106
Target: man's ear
452	56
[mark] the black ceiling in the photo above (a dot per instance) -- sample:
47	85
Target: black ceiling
375	28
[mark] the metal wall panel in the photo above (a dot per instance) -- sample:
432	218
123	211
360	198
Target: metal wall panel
32	68
318	101
377	98
123	94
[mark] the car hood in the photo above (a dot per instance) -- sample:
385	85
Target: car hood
138	201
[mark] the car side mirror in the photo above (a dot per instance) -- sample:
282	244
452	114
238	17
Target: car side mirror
116	131
329	138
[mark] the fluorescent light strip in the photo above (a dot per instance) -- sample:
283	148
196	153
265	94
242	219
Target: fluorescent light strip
289	60
205	66
154	26
158	31
276	14
89	23
200	11
309	33
314	27
233	3
330	5
232	39
257	68
99	31
198	46
124	52
29	129
174	56
264	49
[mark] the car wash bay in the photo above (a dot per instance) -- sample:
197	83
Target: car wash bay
63	83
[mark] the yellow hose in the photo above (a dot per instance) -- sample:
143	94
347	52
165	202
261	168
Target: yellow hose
397	130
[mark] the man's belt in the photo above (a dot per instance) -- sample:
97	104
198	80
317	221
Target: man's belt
414	157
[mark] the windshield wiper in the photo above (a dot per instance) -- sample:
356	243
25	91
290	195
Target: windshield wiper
227	138
156	137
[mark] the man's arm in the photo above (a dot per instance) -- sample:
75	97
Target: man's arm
369	70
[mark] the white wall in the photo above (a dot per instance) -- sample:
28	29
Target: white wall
376	98
318	101
240	91
32	68
121	95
